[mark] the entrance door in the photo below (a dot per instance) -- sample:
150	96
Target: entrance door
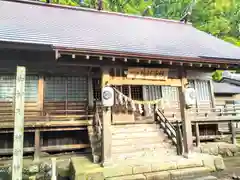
124	113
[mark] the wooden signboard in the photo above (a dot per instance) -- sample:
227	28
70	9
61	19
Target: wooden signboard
148	73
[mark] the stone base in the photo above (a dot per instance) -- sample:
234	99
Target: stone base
170	168
219	148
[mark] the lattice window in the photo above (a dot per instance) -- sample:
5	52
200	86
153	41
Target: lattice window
202	89
7	88
55	89
170	93
125	90
66	88
136	92
31	88
77	89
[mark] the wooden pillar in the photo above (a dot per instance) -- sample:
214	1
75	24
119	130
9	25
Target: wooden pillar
90	91
186	122
197	134
145	98
41	94
197	100
106	125
233	132
17	164
212	94
37	145
41	109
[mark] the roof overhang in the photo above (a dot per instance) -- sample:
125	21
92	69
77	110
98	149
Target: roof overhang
24	46
150	58
199	62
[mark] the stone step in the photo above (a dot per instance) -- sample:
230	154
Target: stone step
142	147
140	141
135	125
204	178
179	174
137	135
151	154
136	128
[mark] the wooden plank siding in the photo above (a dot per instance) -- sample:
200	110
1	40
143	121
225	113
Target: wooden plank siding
56	118
46	100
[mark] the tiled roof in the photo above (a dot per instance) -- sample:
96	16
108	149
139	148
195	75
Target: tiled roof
225	88
78	28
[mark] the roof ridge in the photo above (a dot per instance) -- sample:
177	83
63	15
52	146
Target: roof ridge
78	8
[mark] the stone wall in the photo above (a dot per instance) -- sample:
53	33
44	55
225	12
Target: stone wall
219	148
38	170
96	144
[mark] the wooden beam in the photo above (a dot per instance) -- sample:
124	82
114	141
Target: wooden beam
233	132
187	126
125	81
212	94
37	145
105	76
196	91
90	91
56	148
57	55
106	125
197	134
41	93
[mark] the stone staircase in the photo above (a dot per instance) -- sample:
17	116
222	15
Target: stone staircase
134	141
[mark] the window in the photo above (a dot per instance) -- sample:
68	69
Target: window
7	88
66	88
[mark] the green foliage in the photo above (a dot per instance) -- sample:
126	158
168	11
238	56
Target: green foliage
217	75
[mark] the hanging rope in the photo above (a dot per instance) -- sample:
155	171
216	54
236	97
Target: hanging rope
124	97
135	104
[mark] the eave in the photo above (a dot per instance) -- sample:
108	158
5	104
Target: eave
150	58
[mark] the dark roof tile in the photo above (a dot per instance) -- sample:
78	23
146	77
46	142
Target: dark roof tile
76	28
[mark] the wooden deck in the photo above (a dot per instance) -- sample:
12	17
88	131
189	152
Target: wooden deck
54	127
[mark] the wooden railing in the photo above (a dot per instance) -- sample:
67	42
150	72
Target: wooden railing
52	112
51	128
198	117
232	129
97	123
174	133
205	114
